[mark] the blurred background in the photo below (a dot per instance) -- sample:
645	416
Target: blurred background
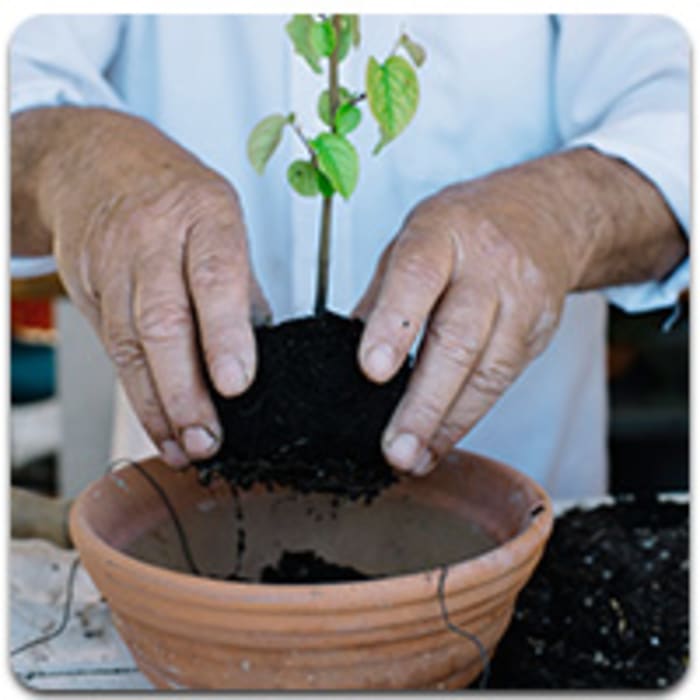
63	395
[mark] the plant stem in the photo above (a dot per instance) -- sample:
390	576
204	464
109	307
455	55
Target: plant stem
327	208
297	130
323	256
333	63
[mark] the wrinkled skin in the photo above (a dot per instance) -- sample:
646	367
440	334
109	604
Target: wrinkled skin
151	246
486	266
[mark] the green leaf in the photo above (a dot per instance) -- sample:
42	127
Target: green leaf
303	177
322	37
347	118
337	160
392	93
354	29
414	50
324	185
299	31
324	103
264	139
347	35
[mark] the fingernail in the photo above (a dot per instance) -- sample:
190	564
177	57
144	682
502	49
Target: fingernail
380	360
173	454
198	441
403	451
231	377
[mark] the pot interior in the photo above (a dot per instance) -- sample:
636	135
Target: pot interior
392	535
457	513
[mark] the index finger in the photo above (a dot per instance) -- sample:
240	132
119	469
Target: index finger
164	321
417	272
219	280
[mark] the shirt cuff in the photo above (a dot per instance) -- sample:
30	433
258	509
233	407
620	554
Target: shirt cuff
651	296
32	267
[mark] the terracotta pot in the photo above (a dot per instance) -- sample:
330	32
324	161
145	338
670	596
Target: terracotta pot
186	631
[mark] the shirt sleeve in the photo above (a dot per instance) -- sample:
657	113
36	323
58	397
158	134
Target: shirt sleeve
622	87
61	60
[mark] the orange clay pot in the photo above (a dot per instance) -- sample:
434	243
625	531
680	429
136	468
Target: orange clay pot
186	631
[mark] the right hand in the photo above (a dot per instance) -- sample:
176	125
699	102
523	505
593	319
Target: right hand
151	246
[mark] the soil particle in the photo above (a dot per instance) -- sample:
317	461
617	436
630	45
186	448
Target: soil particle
607	606
311	420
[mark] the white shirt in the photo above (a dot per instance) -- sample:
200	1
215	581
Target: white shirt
495	91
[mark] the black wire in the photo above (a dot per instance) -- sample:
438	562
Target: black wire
70	582
184	543
42	639
485	662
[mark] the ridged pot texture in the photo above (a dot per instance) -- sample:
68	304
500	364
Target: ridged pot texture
423	537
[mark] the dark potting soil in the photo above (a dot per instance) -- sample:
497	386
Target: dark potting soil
304	567
311	420
308	567
607	606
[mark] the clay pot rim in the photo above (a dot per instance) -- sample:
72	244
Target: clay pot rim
402	589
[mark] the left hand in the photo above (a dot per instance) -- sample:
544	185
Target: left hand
487	274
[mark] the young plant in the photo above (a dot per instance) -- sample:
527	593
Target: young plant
332	163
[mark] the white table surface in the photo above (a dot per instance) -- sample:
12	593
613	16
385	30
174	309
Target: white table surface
88	654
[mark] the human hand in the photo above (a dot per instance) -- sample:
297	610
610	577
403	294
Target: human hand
151	247
477	266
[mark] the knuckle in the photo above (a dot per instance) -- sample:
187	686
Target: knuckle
533	276
459	349
138	220
449	432
425	416
151	416
151	413
163	322
413	265
493	380
212	193
492	243
190	197
209	270
124	350
435	209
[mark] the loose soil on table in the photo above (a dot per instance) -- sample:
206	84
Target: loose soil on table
311	420
607	606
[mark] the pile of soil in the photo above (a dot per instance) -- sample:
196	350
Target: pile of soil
311	420
607	606
307	567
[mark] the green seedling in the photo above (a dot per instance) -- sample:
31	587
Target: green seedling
332	164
